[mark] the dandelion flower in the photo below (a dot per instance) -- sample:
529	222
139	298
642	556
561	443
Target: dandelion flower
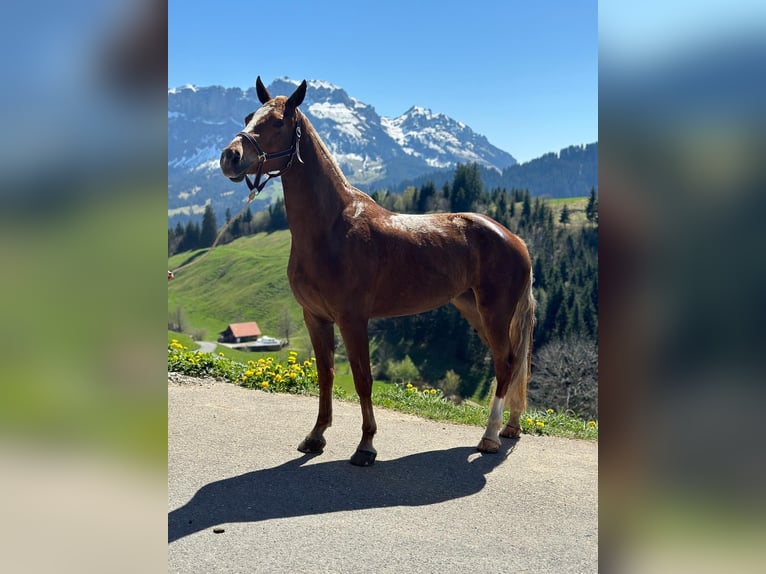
265	385
591	424
549	411
539	424
529	421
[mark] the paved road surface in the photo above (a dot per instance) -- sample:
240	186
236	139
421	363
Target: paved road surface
206	346
431	503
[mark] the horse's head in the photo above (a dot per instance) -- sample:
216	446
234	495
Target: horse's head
269	141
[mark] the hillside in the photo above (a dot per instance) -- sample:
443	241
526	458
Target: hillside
245	280
571	172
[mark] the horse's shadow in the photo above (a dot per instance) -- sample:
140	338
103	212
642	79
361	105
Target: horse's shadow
293	489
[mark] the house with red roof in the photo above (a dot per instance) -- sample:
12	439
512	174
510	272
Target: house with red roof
240	333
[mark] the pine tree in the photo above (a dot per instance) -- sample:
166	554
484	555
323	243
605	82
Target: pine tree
564	217
467	187
190	239
209	228
591	211
526	207
277	215
427	192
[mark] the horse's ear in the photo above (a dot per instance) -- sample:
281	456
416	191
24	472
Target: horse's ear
249	117
263	94
297	98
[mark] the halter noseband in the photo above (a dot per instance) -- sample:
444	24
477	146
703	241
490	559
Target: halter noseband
291	152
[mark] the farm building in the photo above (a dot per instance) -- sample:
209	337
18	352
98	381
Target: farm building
240	333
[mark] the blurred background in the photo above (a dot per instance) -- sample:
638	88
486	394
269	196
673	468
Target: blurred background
682	88
83	300
83	433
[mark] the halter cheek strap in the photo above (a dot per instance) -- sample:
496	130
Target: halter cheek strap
291	152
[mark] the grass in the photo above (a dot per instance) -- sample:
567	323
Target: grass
245	280
297	375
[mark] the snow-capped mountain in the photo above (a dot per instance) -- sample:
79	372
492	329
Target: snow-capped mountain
372	150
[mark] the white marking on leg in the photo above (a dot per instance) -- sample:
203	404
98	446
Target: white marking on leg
495	420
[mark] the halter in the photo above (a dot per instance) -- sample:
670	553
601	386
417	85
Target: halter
291	152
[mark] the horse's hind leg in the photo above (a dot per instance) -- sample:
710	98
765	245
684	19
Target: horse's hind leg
492	327
516	401
466	305
490	442
323	341
496	313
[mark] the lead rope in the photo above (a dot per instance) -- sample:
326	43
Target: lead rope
250	198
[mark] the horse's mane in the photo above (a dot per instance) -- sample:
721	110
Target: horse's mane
314	136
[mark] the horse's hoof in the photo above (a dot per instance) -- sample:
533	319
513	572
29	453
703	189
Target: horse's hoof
511	432
488	445
312	445
363	458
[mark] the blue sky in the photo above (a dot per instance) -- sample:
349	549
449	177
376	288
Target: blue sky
524	74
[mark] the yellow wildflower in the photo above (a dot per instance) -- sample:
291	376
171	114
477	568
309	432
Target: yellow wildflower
529	421
265	385
591	424
549	411
539	424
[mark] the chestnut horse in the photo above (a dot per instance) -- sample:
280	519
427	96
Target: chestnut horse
351	260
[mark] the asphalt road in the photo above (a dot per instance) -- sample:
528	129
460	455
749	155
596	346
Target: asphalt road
206	346
431	502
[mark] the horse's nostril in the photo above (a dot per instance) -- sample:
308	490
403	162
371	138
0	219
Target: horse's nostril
231	155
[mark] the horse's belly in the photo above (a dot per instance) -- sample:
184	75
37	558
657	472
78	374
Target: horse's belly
415	298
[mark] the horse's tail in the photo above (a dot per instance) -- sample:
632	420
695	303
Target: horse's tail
522	327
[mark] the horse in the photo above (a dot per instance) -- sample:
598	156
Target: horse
351	260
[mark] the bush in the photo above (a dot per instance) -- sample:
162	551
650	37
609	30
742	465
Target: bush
450	384
403	371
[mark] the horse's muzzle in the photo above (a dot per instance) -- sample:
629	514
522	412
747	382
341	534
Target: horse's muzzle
231	164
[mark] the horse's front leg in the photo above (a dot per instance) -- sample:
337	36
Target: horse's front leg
323	341
358	349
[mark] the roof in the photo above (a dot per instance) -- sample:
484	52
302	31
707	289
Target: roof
249	329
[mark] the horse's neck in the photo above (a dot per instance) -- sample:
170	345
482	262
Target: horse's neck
316	191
